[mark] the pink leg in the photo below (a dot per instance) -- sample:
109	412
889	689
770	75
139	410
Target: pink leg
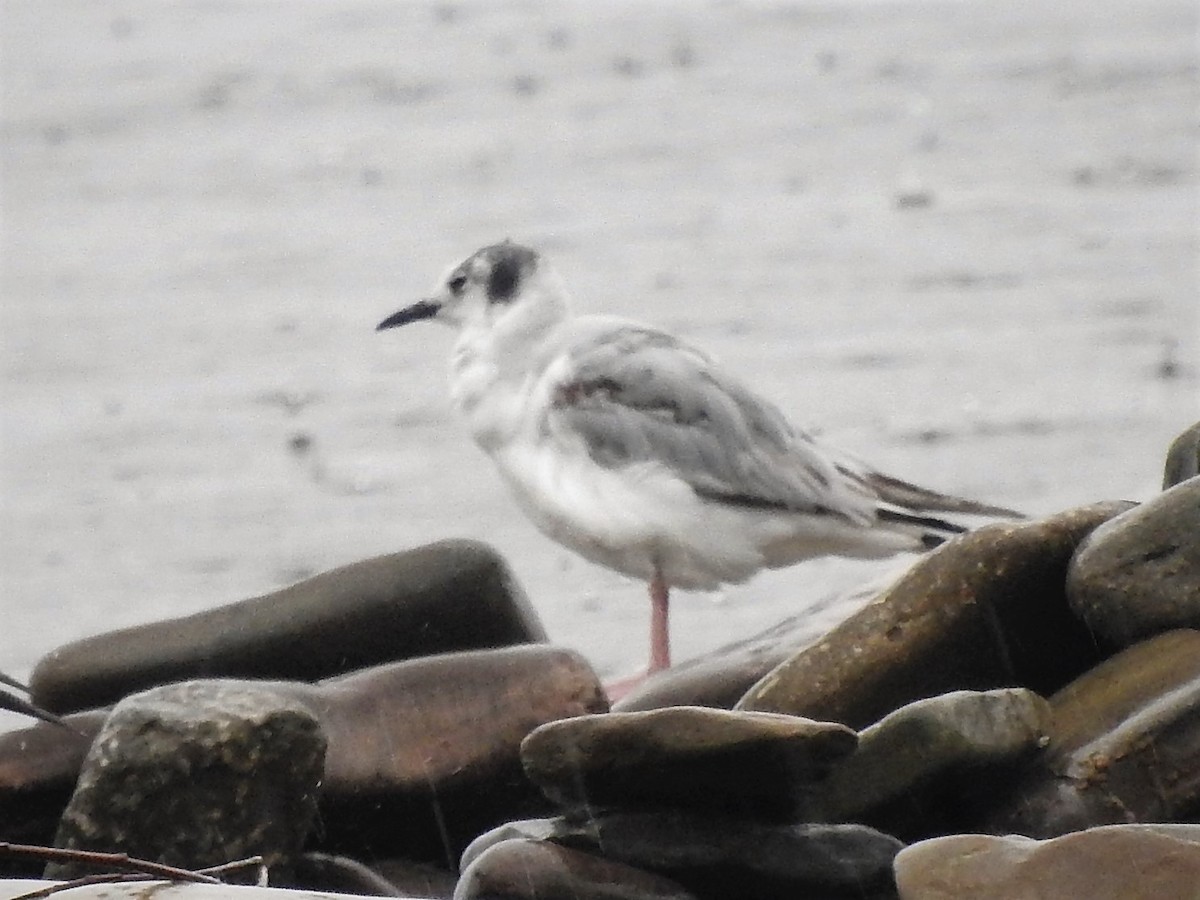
660	633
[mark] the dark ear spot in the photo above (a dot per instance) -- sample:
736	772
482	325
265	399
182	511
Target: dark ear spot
504	278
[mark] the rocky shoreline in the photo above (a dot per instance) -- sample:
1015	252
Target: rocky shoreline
1017	715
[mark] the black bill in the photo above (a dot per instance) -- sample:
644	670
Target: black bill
424	309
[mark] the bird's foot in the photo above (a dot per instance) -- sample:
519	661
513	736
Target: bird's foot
622	687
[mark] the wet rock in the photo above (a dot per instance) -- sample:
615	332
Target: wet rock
197	774
915	767
985	610
1124	747
39	766
719	679
1120	862
1139	574
536	870
425	754
719	858
686	757
452	595
1183	458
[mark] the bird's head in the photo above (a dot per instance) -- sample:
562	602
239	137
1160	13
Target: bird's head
503	289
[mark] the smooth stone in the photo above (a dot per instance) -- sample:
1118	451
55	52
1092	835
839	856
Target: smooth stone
1118	862
520	829
447	596
985	610
749	764
39	766
341	874
1183	458
1125	747
197	774
720	679
537	870
912	768
1139	574
720	858
423	754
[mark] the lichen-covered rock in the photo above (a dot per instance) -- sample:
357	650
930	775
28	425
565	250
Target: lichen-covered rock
985	610
1139	574
1118	862
733	763
197	774
447	596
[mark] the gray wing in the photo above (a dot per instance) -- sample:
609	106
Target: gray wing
635	395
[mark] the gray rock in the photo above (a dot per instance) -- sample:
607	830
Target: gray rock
452	595
519	829
197	774
927	755
721	858
327	872
537	870
687	757
985	610
1139	574
1183	458
1125	747
1119	862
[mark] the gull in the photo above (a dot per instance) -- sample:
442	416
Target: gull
642	454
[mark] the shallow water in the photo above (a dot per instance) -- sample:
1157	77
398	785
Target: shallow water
959	238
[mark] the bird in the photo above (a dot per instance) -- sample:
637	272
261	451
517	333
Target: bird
641	453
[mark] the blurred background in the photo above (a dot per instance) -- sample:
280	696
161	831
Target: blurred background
957	238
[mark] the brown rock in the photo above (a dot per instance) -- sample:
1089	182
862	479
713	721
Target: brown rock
1183	458
1139	574
1120	862
452	595
687	757
985	610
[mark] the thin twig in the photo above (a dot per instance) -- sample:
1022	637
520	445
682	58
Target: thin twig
117	860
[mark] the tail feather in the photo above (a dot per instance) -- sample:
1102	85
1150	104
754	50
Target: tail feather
910	496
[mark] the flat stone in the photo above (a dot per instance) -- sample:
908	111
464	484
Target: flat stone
687	757
917	764
1139	574
985	610
720	858
1119	862
1125	747
1183	458
720	678
197	774
537	870
451	595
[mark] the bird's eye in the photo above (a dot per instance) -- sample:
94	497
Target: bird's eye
457	283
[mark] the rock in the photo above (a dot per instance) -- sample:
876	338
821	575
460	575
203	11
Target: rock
1119	862
1124	747
985	610
452	595
1183	458
1139	574
686	757
39	766
536	870
720	679
341	874
521	829
913	768
720	858
160	890
197	774
425	754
